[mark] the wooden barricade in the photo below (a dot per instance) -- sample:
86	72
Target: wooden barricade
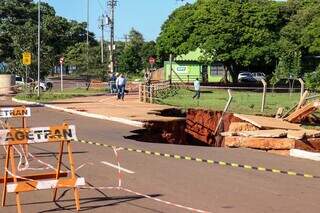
63	135
16	112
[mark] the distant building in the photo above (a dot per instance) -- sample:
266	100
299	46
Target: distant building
188	67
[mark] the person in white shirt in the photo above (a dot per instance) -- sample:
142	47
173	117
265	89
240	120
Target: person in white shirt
121	85
196	85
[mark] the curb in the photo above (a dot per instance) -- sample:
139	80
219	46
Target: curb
305	154
86	114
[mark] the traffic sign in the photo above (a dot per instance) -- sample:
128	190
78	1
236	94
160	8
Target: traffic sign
152	60
61	61
26	58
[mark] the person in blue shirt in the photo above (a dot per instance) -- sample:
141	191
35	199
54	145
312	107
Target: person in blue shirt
196	85
121	85
113	87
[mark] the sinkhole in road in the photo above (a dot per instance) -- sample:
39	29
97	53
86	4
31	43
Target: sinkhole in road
190	127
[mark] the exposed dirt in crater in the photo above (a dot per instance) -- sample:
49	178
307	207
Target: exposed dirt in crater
196	127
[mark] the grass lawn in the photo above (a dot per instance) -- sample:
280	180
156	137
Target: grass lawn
243	101
55	95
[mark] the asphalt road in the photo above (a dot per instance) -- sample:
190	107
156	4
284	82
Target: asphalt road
199	185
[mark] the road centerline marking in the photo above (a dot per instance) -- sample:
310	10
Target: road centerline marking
212	162
117	167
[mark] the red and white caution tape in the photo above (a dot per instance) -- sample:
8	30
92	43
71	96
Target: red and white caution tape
119	187
165	202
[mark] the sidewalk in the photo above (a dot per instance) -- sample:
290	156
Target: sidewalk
107	106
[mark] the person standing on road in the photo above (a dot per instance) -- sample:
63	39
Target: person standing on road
113	79
121	85
196	85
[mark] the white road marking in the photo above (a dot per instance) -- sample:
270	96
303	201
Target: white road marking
86	114
117	167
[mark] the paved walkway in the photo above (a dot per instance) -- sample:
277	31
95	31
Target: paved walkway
130	108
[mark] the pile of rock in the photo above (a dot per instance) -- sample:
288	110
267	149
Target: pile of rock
274	134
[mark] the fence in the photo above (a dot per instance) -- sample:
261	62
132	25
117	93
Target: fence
254	100
147	93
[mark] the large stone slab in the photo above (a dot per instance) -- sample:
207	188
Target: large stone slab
242	126
273	133
312	133
296	134
266	143
268	122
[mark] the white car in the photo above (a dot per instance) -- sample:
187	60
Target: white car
251	76
246	77
21	82
259	76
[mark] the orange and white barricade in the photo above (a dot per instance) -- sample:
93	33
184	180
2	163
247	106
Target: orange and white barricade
62	134
16	112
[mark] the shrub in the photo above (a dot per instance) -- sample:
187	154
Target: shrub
313	79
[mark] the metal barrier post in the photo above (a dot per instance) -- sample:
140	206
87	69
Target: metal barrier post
225	109
151	94
144	93
264	94
140	91
170	75
302	87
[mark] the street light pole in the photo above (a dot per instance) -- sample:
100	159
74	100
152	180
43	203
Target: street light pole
88	20
39	25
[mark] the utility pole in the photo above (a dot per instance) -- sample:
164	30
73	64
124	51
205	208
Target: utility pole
88	19
112	4
39	26
102	37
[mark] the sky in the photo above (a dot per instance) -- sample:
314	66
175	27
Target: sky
146	16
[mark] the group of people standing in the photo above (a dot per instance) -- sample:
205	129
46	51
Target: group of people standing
118	85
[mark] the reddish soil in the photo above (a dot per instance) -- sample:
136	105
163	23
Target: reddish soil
201	124
197	129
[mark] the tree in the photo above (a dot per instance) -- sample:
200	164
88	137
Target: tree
175	35
312	79
302	31
18	24
131	58
148	49
239	34
76	55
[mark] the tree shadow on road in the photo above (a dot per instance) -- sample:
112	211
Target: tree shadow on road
89	204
